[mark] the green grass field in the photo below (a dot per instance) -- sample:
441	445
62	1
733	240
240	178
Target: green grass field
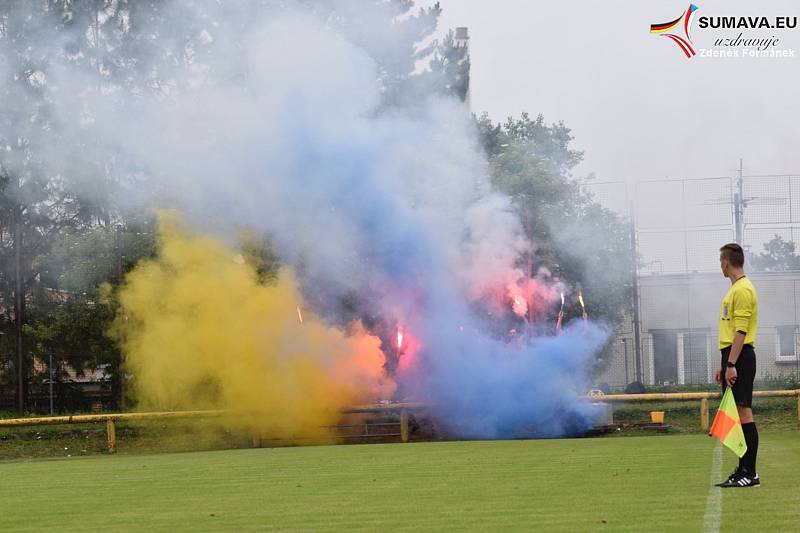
651	483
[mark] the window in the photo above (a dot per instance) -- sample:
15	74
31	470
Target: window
787	343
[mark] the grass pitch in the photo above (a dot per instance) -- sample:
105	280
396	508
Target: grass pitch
654	483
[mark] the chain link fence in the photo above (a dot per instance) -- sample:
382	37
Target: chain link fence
680	225
697	358
771	208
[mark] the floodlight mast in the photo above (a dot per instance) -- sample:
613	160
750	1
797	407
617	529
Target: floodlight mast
738	207
637	342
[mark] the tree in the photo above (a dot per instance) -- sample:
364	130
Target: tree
576	239
448	70
59	181
75	306
33	204
48	184
778	256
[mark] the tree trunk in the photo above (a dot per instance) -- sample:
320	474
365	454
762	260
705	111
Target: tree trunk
19	313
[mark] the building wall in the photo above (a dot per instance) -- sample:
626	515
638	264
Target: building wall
679	319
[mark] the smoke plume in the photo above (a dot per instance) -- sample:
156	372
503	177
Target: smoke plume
278	125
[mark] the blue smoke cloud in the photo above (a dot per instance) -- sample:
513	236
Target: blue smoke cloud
478	386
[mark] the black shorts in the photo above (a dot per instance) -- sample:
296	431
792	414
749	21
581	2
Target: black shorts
745	372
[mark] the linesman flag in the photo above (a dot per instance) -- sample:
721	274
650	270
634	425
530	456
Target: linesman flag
727	427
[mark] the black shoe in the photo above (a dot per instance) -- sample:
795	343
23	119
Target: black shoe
742	480
736	473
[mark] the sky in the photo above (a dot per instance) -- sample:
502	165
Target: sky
638	108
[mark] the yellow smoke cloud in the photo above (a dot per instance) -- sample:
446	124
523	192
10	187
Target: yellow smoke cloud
199	330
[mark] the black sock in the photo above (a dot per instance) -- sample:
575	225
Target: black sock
748	461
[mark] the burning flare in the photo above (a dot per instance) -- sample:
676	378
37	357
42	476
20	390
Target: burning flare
560	314
583	305
519	305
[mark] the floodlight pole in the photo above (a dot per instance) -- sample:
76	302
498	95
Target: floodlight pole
637	342
738	207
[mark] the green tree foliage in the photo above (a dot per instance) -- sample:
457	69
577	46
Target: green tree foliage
778	256
577	240
259	253
72	316
448	72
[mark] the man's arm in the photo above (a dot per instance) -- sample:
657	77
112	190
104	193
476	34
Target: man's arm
736	348
736	351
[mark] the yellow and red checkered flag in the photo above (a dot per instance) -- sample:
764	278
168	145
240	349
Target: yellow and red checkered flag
727	427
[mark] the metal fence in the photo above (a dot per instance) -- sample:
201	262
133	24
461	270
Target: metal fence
772	207
680	223
691	357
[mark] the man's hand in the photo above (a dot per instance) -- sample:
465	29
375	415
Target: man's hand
731	376
718	375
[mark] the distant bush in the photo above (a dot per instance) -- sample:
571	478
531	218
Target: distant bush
781	381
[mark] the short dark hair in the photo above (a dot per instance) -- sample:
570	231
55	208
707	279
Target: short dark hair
733	253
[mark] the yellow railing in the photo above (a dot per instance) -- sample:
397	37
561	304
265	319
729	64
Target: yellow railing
403	408
111	418
693	396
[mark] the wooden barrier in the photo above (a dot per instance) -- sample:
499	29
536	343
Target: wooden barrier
110	419
704	414
111	436
683	396
404	425
89	419
691	396
402	408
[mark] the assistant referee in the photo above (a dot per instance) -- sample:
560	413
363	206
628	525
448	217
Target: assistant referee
738	323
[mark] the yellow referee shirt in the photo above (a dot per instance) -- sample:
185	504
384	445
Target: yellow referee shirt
738	312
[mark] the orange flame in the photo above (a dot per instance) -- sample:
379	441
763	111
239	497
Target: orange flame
399	339
519	305
299	315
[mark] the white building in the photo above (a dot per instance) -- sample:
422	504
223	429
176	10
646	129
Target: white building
679	321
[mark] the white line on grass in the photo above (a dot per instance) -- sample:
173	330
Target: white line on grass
713	516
